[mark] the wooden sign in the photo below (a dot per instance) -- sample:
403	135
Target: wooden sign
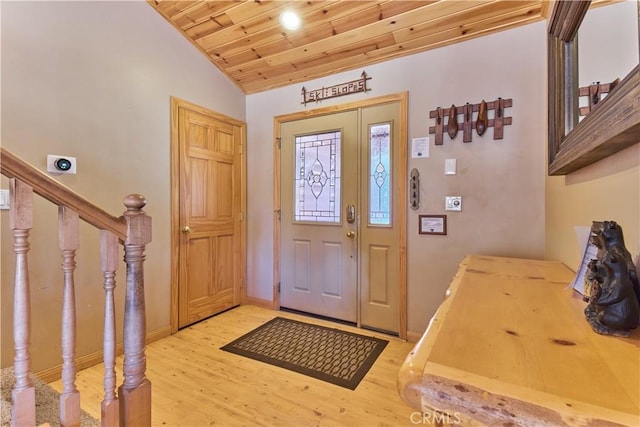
342	89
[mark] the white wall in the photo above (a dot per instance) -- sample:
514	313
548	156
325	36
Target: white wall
93	80
501	181
608	43
608	189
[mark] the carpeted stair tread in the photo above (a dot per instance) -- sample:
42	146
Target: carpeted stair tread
47	403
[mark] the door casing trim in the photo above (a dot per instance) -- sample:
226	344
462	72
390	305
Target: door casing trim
176	104
402	185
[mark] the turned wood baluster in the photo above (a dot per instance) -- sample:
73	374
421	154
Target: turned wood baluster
68	240
109	262
135	392
20	222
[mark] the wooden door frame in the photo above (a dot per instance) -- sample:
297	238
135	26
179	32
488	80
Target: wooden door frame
402	188
176	104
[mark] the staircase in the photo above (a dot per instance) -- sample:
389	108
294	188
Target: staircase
130	405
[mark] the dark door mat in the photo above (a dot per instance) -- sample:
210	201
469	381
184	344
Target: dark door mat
339	357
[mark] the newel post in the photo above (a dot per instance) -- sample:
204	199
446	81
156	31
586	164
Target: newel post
135	392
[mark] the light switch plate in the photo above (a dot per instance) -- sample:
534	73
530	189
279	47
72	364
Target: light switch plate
4	199
453	203
450	166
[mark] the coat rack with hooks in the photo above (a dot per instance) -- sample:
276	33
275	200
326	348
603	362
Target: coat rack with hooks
481	123
595	92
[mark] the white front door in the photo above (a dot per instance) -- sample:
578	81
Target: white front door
340	218
381	185
319	244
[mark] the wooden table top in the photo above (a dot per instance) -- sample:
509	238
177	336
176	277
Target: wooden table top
510	345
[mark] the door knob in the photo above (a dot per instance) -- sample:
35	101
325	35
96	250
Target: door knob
351	234
186	229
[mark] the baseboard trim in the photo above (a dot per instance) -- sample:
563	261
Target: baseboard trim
158	334
54	373
413	336
262	303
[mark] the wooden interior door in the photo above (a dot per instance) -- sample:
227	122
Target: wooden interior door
211	259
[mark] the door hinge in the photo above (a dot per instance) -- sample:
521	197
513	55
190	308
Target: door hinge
279	142
277	211
278	287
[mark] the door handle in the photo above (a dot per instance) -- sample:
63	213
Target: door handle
186	229
351	234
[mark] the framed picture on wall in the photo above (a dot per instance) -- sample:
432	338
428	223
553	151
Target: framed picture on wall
432	224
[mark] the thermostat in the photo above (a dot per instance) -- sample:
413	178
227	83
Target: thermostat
61	164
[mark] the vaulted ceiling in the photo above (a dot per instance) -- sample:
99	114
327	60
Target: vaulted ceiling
245	40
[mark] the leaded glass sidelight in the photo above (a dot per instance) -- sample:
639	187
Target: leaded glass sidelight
317	179
380	174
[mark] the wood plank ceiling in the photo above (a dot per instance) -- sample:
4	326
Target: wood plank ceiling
245	40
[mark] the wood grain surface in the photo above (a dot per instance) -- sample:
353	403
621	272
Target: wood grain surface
510	344
197	384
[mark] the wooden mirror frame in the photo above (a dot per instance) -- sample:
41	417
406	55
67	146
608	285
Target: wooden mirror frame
611	127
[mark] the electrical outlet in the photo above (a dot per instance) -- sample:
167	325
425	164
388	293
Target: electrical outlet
453	203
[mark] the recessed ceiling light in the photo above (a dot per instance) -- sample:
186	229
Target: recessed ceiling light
290	20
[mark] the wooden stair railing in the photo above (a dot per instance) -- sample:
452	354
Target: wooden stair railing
132	404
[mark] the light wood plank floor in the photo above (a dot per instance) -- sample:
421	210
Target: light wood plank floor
195	383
